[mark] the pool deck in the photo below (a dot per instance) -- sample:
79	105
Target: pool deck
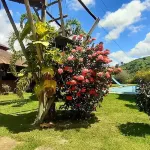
123	90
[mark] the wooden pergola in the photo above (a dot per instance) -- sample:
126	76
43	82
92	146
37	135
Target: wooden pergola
42	5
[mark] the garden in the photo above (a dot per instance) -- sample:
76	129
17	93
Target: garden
69	105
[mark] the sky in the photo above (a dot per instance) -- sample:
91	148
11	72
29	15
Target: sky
124	25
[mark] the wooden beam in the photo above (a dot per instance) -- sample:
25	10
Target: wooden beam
61	16
36	12
50	4
84	6
43	12
30	18
53	18
58	18
92	29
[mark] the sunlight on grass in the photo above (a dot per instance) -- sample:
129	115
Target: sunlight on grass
117	125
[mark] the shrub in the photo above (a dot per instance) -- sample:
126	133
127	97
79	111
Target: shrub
6	88
143	96
84	79
122	77
143	75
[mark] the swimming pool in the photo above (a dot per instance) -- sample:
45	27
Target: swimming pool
123	90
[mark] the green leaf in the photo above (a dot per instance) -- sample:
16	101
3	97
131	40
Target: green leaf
41	42
26	30
20	74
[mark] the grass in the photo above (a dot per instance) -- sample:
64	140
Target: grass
116	125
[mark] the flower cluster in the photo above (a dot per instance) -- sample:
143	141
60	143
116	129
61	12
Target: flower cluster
84	79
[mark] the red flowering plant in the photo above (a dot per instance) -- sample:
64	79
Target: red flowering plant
85	77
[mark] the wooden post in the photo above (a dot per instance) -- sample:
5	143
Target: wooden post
93	27
53	18
84	6
61	16
14	26
36	12
30	18
43	12
17	34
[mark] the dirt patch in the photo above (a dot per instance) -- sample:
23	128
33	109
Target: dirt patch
7	143
43	148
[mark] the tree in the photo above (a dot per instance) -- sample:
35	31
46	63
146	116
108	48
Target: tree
122	77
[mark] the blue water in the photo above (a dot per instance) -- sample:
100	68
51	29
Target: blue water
123	90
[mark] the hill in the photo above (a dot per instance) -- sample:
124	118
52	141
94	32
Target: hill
137	65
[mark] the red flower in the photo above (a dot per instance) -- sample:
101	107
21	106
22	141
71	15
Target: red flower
71	58
83	90
80	59
100	47
80	78
90	56
69	69
69	98
78	94
100	57
100	74
72	82
107	75
78	48
91	80
92	92
74	37
94	54
60	71
73	51
84	72
110	70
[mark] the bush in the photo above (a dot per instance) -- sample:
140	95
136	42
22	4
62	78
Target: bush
142	75
122	77
143	96
6	88
84	79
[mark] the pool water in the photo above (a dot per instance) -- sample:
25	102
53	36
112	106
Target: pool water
123	90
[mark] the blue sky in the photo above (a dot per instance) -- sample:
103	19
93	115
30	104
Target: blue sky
124	26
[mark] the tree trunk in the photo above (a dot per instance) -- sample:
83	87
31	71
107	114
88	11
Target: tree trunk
46	105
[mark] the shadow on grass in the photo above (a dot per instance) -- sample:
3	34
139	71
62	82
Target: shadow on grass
129	98
131	106
17	102
18	123
135	129
64	121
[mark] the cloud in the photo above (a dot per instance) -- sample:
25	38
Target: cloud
135	29
120	56
116	22
142	48
5	28
75	5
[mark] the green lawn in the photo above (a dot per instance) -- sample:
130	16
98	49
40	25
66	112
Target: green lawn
117	125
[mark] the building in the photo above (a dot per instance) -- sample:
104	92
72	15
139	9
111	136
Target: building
6	77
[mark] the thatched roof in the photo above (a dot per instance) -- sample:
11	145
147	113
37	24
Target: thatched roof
6	56
3	47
